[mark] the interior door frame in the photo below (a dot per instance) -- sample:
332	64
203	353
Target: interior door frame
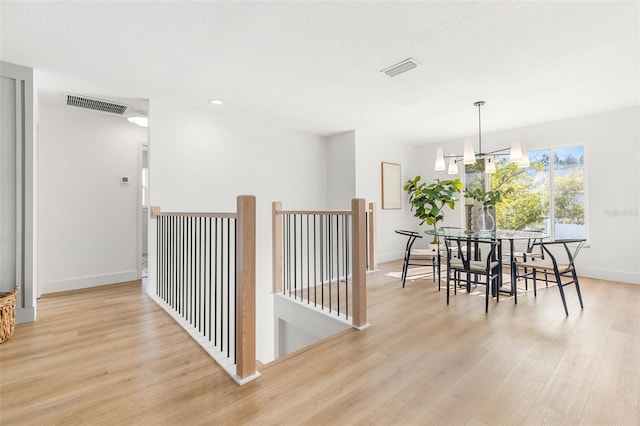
25	190
142	210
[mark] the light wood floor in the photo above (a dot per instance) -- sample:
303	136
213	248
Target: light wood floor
110	356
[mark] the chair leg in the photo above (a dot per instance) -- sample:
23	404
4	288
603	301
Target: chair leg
514	285
564	301
405	268
448	279
486	294
433	268
575	280
456	280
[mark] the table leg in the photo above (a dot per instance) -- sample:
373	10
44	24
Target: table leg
512	264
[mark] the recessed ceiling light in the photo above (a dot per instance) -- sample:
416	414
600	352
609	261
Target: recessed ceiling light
216	101
401	67
139	120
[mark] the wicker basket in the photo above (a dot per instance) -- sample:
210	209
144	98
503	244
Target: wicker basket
7	314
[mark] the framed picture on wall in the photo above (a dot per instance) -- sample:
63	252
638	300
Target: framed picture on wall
391	186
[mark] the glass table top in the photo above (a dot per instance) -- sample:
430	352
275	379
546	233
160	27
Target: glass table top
499	234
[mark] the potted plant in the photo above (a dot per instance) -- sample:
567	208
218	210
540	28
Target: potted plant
428	201
488	199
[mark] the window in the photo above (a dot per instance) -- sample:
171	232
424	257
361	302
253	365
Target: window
549	195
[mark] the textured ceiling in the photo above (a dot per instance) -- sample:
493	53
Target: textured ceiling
315	66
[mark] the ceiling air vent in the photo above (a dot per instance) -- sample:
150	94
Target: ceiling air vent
95	104
401	67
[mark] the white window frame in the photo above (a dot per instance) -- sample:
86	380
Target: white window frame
552	213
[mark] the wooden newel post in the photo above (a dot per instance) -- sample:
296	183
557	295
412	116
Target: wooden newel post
372	237
246	286
358	261
276	245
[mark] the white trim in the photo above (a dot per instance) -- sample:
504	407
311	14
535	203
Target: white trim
25	189
608	274
585	192
88	281
552	194
20	143
218	356
139	208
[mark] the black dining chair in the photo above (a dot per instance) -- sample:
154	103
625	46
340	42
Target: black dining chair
529	250
471	268
418	257
558	262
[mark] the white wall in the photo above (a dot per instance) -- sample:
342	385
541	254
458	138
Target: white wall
87	219
371	150
341	172
612	155
200	161
298	325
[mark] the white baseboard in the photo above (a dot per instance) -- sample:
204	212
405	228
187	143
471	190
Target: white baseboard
86	282
389	256
609	275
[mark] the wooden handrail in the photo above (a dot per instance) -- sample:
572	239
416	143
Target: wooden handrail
155	212
199	214
322	212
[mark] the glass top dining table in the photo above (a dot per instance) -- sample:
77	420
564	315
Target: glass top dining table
500	235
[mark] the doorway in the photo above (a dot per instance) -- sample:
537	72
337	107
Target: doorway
143	215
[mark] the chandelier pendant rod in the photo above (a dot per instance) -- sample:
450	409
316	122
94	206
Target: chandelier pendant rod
497	151
484	154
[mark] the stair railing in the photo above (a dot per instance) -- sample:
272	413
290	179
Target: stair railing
205	279
320	258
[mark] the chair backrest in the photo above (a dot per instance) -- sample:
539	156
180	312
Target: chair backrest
528	246
408	233
481	250
566	256
412	237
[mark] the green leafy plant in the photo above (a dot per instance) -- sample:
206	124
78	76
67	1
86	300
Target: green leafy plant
488	199
428	201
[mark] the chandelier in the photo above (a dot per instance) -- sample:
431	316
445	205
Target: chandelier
517	153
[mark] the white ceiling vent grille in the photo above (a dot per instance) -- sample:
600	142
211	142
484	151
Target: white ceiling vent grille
401	67
95	104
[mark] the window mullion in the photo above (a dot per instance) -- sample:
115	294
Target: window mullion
552	203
